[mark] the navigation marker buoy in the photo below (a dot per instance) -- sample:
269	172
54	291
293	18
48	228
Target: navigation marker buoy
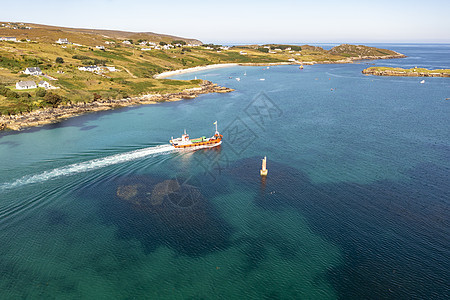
264	170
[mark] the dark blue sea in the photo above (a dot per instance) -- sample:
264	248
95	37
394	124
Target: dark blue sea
356	204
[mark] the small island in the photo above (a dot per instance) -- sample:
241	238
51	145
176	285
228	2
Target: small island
413	72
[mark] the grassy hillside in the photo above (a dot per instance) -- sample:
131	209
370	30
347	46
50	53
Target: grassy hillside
89	37
135	64
359	50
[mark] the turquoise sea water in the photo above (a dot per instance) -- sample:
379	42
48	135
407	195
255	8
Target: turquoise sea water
355	205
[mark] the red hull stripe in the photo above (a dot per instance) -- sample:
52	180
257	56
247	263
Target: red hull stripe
199	144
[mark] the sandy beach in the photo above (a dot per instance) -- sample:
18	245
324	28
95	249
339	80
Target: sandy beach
217	66
195	69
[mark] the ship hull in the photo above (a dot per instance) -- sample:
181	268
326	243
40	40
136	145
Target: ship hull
201	145
186	143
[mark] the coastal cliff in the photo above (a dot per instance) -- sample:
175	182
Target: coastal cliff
413	72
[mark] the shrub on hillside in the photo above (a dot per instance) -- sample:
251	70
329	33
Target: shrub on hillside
178	42
80	57
11	94
94	61
59	60
3	90
40	92
97	97
53	99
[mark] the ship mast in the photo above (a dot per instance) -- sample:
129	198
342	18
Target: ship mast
217	132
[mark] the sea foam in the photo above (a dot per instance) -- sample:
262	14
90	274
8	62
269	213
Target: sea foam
86	166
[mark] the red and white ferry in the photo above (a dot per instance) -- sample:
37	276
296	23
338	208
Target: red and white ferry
184	142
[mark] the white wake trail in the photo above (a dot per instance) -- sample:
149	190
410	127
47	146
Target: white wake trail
86	166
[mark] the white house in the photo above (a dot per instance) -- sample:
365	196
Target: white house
291	59
44	84
146	49
243	53
89	68
24	85
33	71
100	47
8	39
62	41
126	42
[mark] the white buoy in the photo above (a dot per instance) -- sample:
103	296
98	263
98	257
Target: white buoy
264	170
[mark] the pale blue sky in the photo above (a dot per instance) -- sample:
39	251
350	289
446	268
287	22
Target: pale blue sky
249	21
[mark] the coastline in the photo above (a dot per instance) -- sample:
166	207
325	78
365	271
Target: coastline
217	66
52	115
297	62
46	116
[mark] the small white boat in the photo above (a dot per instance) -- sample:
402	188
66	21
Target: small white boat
423	81
245	73
262	79
238	79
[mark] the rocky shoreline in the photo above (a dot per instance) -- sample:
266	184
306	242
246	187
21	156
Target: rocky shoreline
405	72
350	60
52	115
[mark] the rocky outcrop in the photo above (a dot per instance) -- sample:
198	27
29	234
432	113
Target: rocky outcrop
52	115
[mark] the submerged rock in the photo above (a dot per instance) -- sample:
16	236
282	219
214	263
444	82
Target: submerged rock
169	212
